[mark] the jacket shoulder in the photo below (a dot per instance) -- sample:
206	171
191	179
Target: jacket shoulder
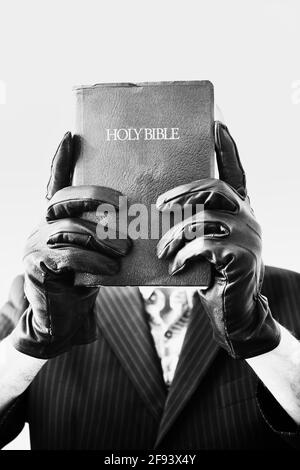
15	306
282	288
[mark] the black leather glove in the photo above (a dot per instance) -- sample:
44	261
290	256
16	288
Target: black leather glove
231	242
60	313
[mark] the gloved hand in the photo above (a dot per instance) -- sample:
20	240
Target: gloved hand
231	241
60	313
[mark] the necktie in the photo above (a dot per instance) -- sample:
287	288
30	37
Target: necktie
167	304
169	312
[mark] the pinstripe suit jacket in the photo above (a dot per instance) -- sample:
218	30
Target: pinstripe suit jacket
111	394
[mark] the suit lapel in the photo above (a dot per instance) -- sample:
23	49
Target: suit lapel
121	318
198	351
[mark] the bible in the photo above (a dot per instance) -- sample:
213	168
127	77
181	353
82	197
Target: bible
143	139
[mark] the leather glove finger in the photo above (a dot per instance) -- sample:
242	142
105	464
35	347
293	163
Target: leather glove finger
221	255
72	245
76	201
202	224
72	201
79	232
70	260
213	193
230	167
62	165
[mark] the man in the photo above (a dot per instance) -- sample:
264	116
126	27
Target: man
123	368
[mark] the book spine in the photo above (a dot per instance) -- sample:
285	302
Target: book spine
78	177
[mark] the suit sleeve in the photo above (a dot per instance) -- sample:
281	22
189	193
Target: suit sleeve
13	418
277	418
282	288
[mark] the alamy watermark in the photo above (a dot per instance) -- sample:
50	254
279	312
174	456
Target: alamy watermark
147	222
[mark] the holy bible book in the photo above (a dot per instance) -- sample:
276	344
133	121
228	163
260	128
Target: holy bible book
144	139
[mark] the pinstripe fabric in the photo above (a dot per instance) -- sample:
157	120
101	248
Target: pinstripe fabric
111	394
122	321
197	353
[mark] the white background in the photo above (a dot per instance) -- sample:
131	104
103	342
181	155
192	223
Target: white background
248	49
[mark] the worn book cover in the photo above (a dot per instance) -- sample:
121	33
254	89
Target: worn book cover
143	139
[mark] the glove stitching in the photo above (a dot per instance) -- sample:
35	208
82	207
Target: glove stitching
229	343
50	328
253	230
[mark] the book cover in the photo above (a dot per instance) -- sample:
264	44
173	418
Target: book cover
143	139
